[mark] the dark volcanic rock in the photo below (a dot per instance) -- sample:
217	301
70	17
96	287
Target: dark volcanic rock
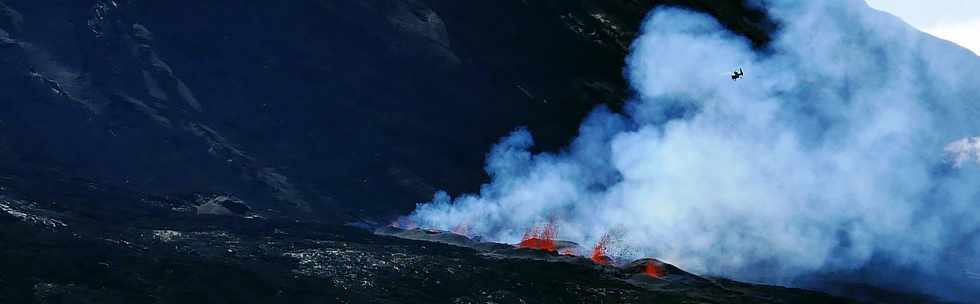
10	20
647	274
329	109
218	204
76	247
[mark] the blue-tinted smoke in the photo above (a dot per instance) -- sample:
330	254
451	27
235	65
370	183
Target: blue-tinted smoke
847	142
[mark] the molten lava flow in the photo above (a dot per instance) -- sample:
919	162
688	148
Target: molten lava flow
653	270
599	255
540	238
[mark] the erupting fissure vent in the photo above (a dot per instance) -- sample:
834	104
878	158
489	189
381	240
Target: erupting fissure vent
540	238
599	252
653	270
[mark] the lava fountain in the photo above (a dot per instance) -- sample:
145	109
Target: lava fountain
540	238
600	251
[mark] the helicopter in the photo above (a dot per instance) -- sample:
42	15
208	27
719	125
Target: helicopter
737	74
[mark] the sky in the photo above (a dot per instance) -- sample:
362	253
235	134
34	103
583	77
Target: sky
954	20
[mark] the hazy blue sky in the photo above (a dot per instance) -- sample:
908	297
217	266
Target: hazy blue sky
954	20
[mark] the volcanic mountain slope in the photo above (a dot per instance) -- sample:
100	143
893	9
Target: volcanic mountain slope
331	109
73	244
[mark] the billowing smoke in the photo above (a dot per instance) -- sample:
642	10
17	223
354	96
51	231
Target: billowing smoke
844	145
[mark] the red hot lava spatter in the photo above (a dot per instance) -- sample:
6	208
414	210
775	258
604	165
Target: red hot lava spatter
653	270
599	252
540	238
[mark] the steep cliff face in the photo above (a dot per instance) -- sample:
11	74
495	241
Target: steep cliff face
320	108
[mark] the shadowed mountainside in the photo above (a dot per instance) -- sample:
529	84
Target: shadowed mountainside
326	109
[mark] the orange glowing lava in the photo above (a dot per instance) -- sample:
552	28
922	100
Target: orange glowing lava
540	238
599	255
653	270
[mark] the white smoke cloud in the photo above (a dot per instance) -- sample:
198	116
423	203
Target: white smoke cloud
830	154
964	150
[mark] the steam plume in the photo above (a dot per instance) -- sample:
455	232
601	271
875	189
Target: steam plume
829	156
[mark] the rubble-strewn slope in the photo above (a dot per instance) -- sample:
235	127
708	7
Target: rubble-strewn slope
74	246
